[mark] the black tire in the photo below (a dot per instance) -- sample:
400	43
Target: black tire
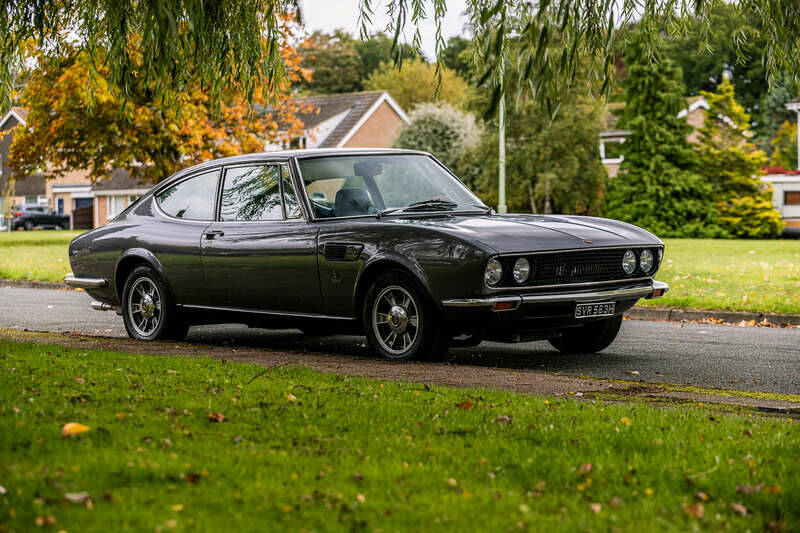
164	321
28	225
64	225
430	339
589	338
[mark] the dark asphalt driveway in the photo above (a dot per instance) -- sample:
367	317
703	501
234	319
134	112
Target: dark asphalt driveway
747	358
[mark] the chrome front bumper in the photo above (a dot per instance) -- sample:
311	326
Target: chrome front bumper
85	283
512	302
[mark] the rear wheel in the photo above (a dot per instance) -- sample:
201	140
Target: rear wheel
147	308
399	321
589	338
28	225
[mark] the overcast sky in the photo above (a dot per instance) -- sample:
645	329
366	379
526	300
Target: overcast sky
328	15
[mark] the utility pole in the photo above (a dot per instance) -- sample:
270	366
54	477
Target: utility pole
501	186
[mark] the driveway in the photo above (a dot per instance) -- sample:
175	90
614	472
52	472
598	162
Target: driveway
728	357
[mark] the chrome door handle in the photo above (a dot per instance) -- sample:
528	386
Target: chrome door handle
214	233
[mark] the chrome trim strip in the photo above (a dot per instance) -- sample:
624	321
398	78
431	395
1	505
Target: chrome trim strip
484	302
582	284
656	286
85	283
263	312
589	248
625	293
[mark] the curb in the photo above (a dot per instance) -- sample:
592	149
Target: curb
11	283
679	315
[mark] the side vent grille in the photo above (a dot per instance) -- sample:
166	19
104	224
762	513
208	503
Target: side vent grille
335	251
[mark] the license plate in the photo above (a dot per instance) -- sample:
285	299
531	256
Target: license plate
595	309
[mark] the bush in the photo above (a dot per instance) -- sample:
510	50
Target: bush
441	130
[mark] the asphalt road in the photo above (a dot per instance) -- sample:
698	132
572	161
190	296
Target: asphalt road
746	358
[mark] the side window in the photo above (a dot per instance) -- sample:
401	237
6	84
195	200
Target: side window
290	202
192	199
251	193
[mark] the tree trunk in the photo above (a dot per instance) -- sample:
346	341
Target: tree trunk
531	198
547	209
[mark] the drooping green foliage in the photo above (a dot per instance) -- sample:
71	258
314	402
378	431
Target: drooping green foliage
441	130
658	186
548	163
733	166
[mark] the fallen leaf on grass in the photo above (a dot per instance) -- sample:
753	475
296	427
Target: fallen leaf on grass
46	520
216	417
585	469
2	490
192	477
502	419
739	508
615	502
360	498
695	510
120	416
79	380
291	397
177	508
625	420
76	497
595	507
466	404
73	428
702	496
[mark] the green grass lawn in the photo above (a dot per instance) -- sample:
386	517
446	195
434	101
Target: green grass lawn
300	450
738	275
35	255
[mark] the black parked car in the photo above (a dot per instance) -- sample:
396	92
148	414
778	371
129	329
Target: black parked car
30	216
387	243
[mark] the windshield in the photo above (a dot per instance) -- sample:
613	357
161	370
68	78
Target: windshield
341	186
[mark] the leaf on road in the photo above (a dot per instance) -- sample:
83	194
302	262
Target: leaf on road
585	468
633	372
73	428
216	417
466	404
695	510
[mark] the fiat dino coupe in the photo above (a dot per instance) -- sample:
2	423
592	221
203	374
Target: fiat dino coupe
384	243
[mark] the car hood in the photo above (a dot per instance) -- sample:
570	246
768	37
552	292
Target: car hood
532	233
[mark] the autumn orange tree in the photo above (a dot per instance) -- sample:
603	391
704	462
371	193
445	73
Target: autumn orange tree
150	136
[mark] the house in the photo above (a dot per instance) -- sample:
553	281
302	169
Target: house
369	119
612	138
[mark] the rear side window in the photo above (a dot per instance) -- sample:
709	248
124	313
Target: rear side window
252	193
192	199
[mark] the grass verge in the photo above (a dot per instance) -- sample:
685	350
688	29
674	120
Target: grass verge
735	275
298	449
35	255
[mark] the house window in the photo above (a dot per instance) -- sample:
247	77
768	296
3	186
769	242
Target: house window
115	205
611	151
30	199
791	197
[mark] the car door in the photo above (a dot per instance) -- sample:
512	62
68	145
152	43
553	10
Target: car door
260	254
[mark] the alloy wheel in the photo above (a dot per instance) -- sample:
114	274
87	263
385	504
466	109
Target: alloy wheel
396	320
144	306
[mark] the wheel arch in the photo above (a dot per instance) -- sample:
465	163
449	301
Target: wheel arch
380	265
129	260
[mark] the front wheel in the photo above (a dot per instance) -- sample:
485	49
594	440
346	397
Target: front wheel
589	338
399	321
147	308
28	225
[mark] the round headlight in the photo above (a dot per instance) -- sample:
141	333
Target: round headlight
494	271
629	262
646	261
522	270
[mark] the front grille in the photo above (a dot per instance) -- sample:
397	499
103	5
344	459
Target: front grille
565	268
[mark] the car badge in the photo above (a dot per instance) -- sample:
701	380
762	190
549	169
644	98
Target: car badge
587	241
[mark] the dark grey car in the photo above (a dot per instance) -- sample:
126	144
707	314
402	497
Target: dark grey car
387	243
29	217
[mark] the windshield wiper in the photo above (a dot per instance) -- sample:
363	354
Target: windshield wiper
428	204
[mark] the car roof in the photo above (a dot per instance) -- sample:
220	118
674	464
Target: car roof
285	155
